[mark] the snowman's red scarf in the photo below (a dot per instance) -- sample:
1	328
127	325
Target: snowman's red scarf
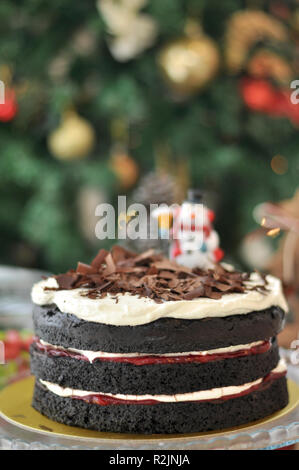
196	228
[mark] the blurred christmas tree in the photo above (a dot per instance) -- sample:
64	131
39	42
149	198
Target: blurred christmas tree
93	88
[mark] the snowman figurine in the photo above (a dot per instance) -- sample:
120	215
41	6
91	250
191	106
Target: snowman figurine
194	242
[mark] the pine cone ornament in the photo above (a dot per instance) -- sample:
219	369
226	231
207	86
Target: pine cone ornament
155	188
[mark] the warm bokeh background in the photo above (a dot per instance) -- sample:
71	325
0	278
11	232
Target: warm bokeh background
99	94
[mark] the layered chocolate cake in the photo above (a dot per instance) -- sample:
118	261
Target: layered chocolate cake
136	343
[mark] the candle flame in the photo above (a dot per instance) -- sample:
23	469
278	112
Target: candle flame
273	232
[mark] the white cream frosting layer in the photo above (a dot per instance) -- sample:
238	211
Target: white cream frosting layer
212	394
127	309
92	355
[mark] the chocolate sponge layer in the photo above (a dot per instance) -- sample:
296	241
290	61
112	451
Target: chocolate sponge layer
165	335
116	377
163	417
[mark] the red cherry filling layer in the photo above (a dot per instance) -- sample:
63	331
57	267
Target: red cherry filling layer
104	400
156	359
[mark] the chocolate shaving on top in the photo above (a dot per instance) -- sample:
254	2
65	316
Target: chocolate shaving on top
153	276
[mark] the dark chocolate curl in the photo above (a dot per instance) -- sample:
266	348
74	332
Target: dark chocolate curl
151	275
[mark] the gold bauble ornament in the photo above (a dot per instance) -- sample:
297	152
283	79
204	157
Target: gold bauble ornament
190	63
125	169
73	139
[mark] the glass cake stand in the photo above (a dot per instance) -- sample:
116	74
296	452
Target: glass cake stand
21	427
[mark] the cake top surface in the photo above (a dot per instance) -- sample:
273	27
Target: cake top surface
123	288
151	275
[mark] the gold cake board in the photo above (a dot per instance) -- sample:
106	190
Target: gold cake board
15	407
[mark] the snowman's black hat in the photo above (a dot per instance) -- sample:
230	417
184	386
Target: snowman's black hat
195	195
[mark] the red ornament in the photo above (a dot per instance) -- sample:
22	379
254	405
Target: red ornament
259	95
262	96
281	104
9	109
